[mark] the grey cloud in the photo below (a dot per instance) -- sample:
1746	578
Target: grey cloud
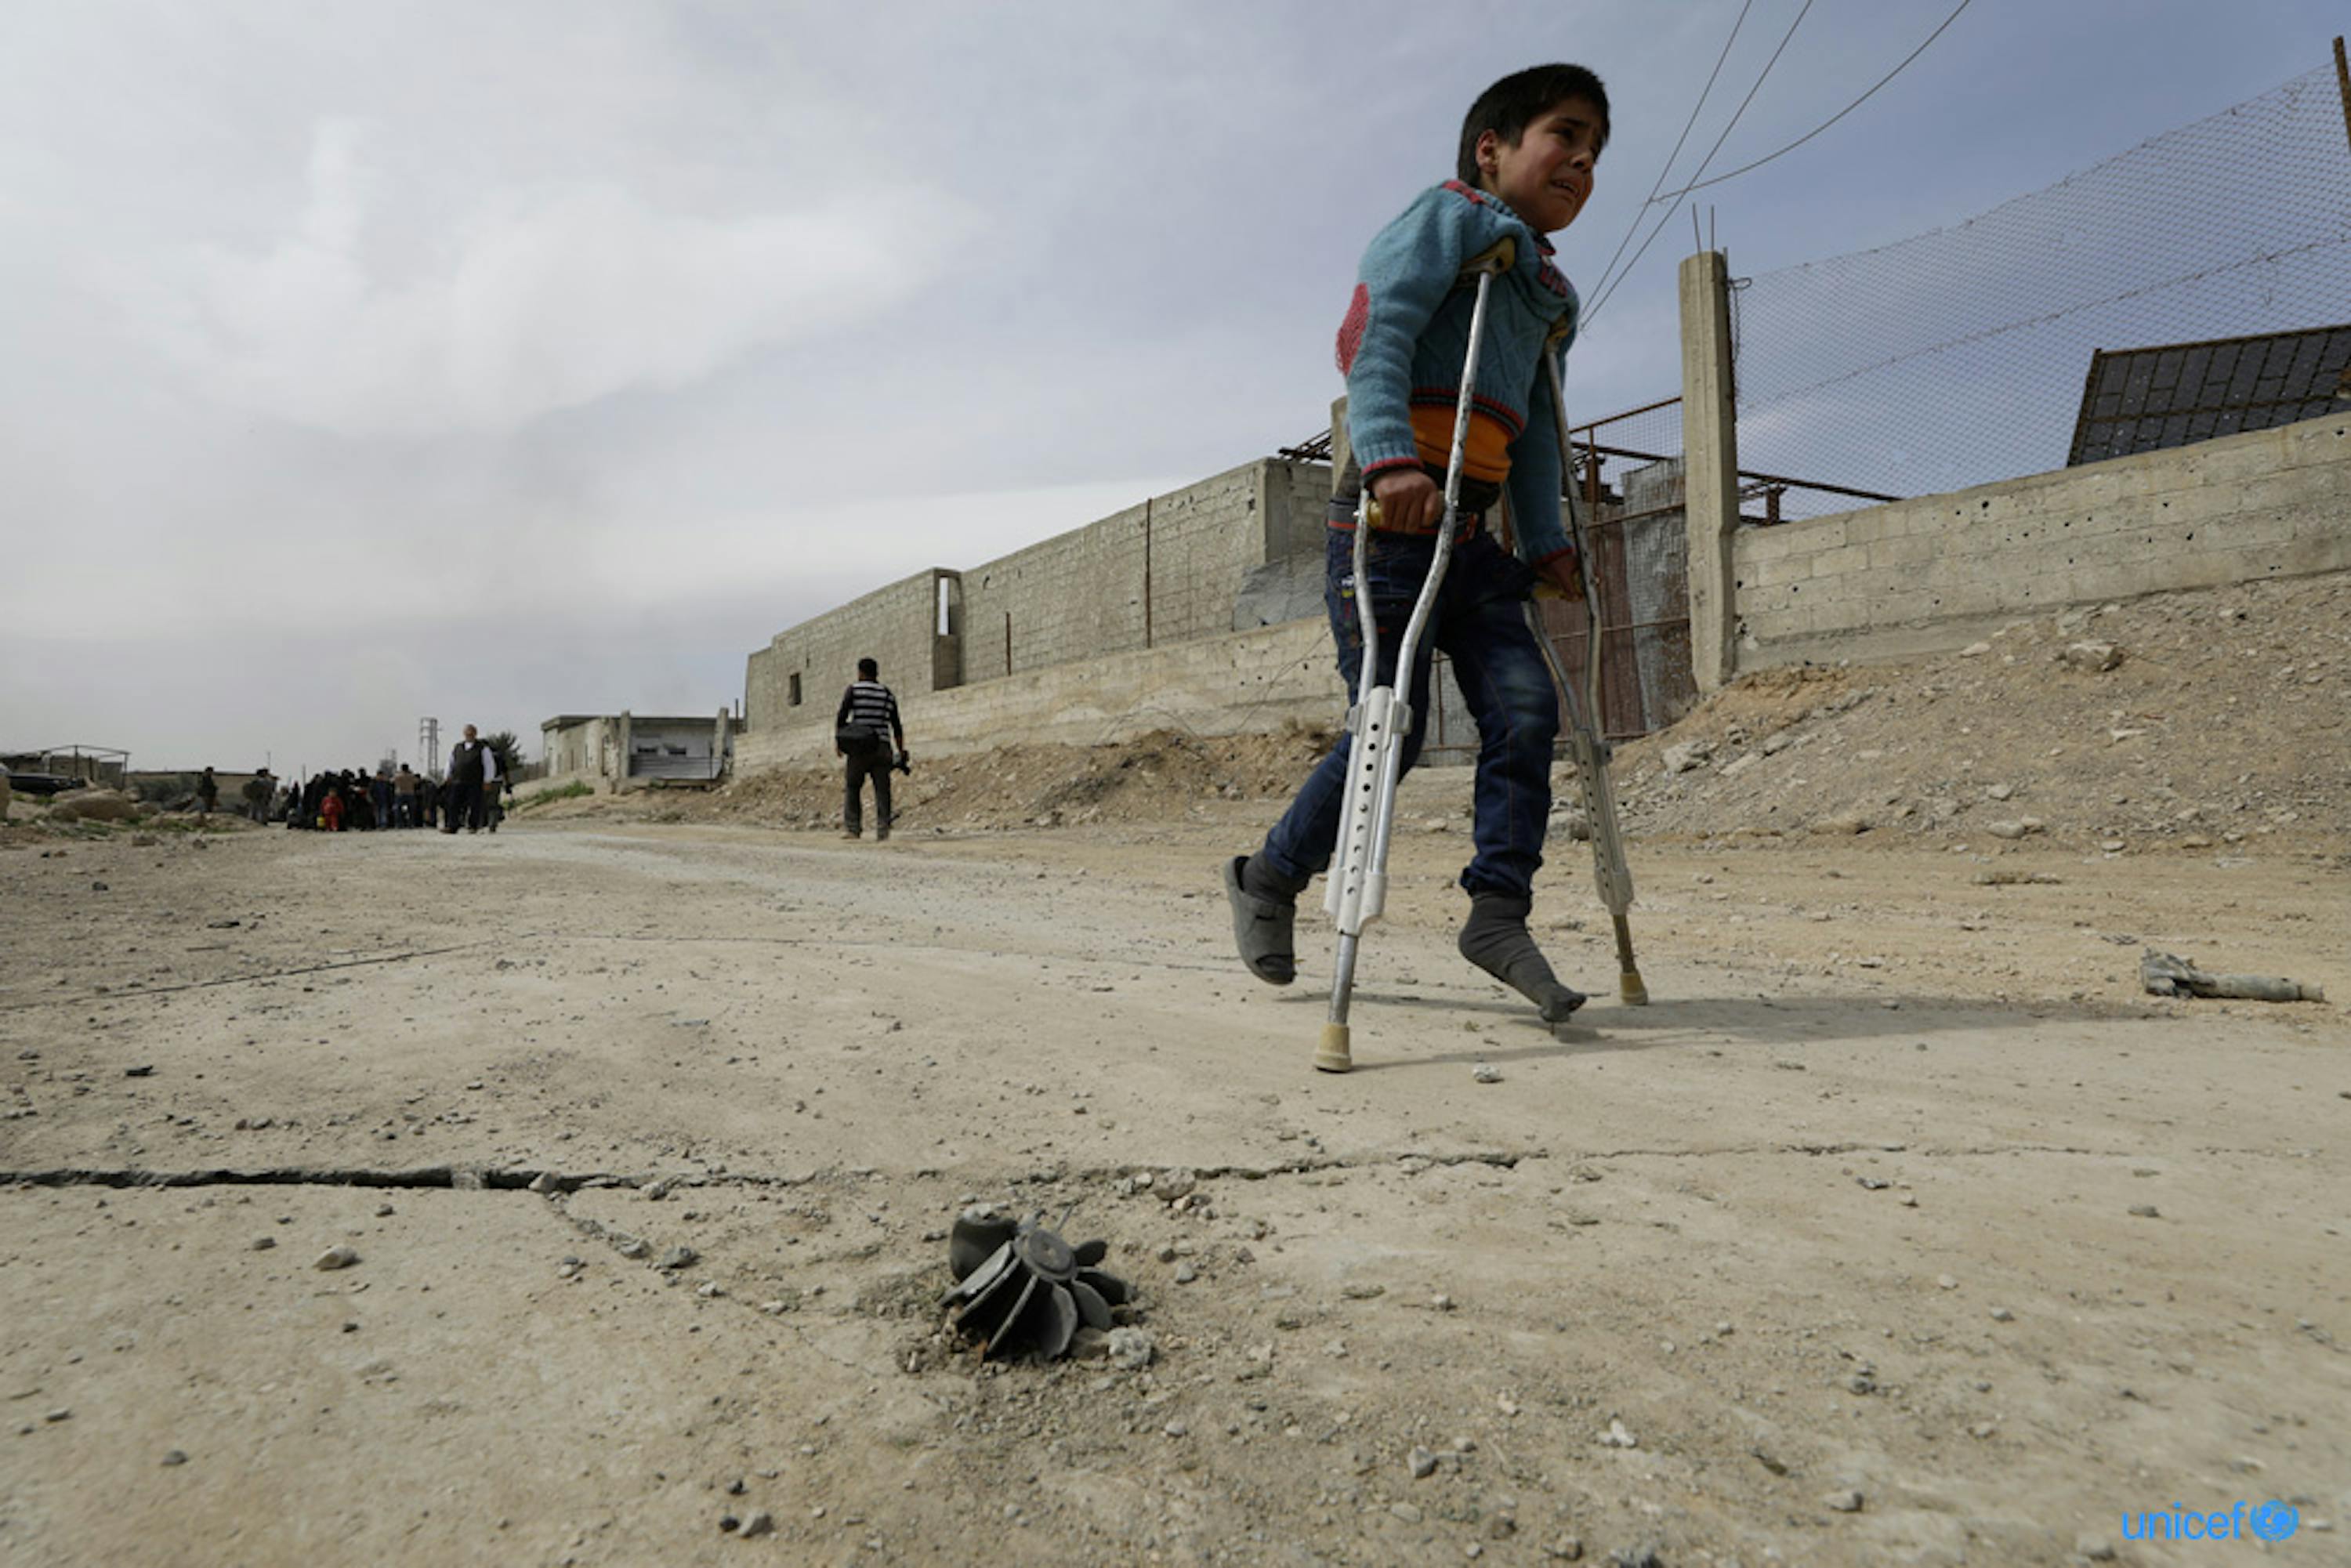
546	299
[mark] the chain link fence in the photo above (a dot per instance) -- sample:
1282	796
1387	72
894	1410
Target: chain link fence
1957	357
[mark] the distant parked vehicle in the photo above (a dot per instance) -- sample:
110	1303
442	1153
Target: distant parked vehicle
44	783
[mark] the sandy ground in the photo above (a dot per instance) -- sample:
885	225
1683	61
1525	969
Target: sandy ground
1900	1191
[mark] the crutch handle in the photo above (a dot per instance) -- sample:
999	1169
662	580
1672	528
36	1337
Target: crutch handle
1493	261
1546	589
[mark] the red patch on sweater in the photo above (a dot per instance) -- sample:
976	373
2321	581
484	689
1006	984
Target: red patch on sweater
1350	331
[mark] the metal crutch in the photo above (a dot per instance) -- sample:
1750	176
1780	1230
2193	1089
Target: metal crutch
1382	719
1586	745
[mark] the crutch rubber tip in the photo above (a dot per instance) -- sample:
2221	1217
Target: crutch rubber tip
1629	988
1332	1055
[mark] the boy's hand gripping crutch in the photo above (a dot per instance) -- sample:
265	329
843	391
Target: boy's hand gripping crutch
1382	718
1586	744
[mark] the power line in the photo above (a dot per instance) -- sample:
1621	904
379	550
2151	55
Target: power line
1728	128
1824	124
1667	167
2286	253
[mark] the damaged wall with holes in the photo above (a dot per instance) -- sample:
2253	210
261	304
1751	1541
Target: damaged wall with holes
1934	571
1062	619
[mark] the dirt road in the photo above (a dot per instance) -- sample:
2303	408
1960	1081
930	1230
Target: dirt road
1902	1228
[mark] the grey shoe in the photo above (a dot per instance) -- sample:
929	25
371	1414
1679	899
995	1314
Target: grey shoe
1261	929
1496	940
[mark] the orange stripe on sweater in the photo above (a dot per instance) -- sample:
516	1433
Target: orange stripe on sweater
1485	454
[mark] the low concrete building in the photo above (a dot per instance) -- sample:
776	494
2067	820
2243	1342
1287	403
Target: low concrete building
613	752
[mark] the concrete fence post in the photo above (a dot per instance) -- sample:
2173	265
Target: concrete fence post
1342	449
1711	463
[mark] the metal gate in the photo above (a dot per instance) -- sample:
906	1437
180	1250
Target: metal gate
1645	681
1633	496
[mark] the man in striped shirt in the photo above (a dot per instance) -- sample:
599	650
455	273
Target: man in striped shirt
867	733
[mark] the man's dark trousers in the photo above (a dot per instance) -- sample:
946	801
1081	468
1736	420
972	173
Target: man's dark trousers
872	762
462	805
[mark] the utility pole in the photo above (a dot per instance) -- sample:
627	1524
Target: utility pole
2343	83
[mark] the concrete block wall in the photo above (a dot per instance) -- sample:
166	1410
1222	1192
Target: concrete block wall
1081	594
1301	493
1927	572
894	625
1237	684
1204	540
1058	599
1073	602
1289	585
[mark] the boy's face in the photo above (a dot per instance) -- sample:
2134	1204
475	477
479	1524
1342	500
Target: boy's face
1546	174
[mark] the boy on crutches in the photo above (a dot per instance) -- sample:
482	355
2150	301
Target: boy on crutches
1525	169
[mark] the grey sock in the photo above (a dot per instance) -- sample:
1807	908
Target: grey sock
1496	940
1264	882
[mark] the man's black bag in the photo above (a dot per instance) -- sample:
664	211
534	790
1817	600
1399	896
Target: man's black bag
860	740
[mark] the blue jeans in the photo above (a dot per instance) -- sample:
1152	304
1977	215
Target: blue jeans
1478	620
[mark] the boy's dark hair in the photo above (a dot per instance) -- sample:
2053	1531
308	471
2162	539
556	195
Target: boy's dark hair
867	669
1517	100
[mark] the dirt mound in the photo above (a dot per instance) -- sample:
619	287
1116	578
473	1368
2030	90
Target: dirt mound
2194	720
94	806
1152	778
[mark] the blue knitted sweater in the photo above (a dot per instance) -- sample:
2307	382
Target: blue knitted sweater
1407	332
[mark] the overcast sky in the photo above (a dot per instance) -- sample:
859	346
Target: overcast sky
492	359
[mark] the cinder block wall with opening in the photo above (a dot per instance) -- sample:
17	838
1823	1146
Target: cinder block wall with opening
1081	594
1070	603
893	624
1243	683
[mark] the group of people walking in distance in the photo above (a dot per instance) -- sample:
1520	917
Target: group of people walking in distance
469	796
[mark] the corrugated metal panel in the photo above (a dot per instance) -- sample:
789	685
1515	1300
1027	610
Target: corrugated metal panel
666	765
2175	394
